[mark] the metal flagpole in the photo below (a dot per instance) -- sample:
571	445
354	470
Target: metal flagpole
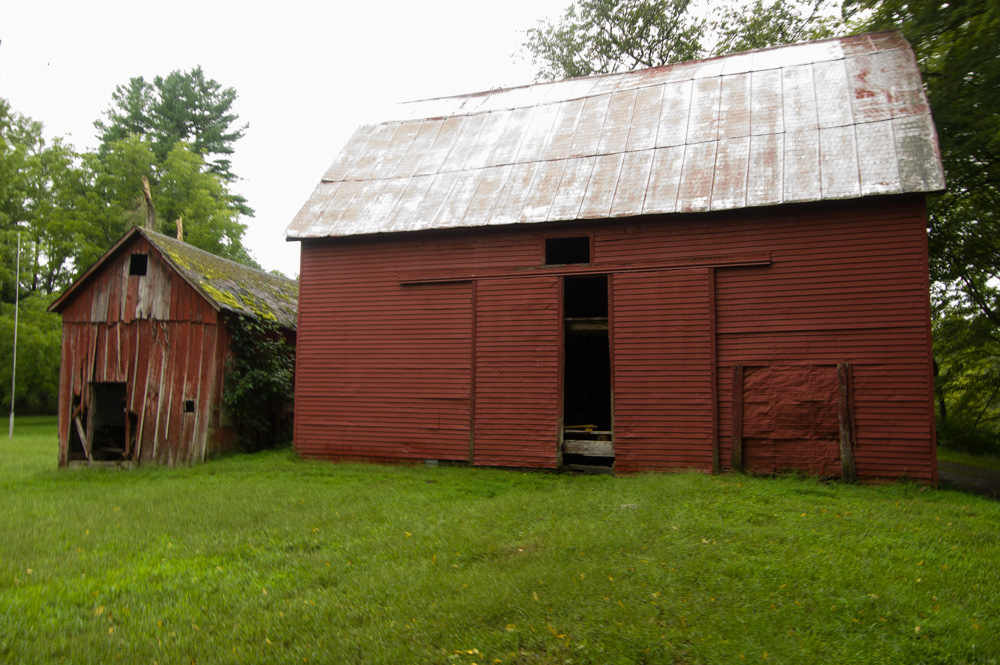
13	367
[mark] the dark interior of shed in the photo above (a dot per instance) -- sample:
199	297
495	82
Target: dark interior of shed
587	421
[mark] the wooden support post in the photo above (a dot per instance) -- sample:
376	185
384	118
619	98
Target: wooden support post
737	432
847	439
83	436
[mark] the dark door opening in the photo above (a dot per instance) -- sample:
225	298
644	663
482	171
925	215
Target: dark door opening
110	434
588	439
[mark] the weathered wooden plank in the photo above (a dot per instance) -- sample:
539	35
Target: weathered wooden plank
588	448
736	434
847	439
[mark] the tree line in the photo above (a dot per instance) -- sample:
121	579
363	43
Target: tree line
67	208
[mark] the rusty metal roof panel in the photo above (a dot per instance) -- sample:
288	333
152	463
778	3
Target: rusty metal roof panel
632	184
840	118
572	187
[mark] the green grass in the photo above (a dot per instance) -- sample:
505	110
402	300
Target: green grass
980	461
267	558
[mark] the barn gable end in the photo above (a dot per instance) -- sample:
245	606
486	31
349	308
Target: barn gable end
711	265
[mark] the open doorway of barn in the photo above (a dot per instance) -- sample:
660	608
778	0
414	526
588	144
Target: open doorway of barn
587	436
104	431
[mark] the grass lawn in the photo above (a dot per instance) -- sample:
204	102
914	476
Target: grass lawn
268	558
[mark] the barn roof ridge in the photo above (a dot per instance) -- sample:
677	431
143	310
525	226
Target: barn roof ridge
224	283
886	45
844	117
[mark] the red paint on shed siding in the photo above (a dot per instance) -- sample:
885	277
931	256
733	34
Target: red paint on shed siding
163	340
846	282
517	372
662	370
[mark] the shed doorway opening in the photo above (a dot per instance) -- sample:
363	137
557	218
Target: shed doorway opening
112	427
587	436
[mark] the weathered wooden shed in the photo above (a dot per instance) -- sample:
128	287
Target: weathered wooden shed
710	265
144	346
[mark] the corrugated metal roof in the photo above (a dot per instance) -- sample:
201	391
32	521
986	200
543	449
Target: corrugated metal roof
836	119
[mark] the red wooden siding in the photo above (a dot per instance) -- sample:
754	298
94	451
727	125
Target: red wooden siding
791	419
517	372
160	338
383	370
391	352
662	370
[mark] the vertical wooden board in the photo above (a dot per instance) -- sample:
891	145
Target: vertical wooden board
630	193
205	401
517	372
192	383
674	113
731	168
839	163
65	405
735	107
149	416
614	134
697	177
662	370
765	103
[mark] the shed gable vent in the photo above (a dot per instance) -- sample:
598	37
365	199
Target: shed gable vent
560	251
137	264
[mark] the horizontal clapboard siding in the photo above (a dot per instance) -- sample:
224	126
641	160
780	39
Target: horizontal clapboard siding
517	372
385	370
662	370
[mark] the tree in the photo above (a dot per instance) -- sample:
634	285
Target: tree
959	54
602	36
181	107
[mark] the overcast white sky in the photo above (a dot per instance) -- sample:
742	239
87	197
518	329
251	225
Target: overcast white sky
307	73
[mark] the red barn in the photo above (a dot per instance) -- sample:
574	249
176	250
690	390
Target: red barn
144	346
710	265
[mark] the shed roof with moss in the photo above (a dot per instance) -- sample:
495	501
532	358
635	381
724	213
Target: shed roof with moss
225	284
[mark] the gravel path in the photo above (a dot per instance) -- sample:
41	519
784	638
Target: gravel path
969	479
